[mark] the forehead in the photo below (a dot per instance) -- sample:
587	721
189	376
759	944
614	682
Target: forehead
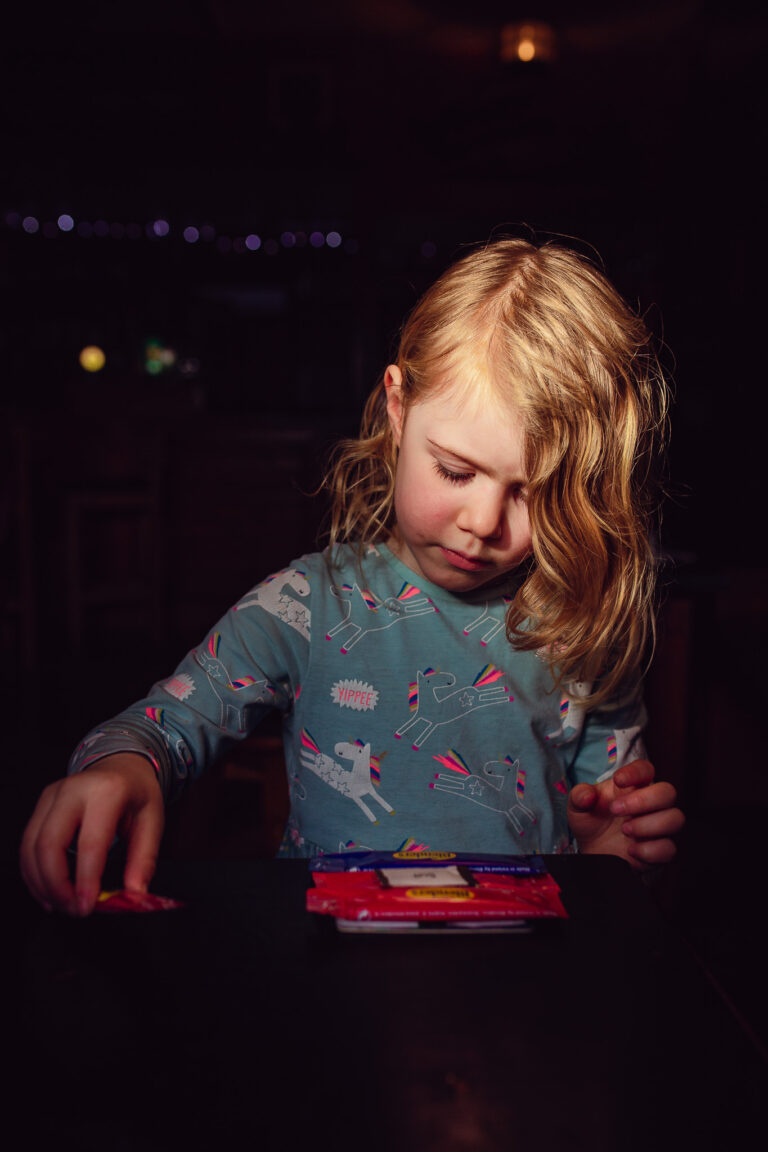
488	434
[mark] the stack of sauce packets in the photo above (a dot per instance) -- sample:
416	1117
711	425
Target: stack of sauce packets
433	892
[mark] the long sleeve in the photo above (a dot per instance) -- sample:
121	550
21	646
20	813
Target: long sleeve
248	664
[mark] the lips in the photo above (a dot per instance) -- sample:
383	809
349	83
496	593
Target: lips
465	563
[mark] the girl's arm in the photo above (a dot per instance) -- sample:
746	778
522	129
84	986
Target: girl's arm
121	772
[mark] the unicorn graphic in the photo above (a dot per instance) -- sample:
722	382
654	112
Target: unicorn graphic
572	711
272	597
366	613
623	747
432	710
486	789
253	691
494	625
355	783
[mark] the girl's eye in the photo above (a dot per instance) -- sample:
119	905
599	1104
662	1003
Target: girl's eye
452	477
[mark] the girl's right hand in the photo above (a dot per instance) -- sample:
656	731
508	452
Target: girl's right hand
118	795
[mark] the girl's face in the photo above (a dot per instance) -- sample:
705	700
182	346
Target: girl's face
460	489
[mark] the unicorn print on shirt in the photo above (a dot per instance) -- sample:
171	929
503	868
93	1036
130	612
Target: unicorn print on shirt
486	788
246	691
432	709
491	625
355	783
572	712
366	613
272	597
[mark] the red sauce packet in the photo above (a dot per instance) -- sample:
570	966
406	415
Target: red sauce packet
456	889
125	900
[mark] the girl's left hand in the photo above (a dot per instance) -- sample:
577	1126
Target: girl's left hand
631	815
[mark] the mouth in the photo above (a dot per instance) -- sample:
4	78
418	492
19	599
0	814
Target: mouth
465	563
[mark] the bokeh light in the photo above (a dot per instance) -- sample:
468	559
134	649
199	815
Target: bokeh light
526	49
524	42
92	358
158	357
65	222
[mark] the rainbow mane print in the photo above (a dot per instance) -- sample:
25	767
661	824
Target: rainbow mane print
455	761
488	675
307	741
411	845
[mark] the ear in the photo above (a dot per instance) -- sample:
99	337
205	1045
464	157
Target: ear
393	383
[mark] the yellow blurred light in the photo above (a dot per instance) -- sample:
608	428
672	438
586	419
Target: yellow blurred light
92	359
532	40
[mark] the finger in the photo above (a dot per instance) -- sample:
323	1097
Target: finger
54	837
28	865
583	797
143	840
636	774
650	852
652	798
657	825
97	834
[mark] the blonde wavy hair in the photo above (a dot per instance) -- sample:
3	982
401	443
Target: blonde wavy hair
559	346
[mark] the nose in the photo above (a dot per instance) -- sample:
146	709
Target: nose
483	514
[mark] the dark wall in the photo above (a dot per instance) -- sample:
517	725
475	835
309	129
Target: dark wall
401	129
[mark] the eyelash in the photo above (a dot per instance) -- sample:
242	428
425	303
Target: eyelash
452	477
464	478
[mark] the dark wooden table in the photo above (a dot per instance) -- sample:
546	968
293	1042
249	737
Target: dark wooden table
242	1021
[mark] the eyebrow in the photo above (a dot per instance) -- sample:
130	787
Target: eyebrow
465	460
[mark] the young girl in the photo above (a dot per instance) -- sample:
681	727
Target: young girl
460	669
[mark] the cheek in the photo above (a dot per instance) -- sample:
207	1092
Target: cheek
420	501
520	532
420	510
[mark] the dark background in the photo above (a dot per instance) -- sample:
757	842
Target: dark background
136	507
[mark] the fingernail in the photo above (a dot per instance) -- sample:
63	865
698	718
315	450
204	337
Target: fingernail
83	904
618	807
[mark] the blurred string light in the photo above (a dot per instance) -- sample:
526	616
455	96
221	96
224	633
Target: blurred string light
158	357
527	41
159	228
92	358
